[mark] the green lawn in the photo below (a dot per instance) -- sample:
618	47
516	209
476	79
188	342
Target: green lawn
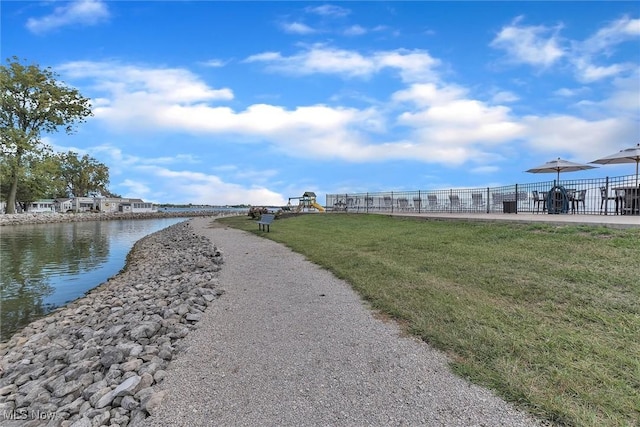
547	316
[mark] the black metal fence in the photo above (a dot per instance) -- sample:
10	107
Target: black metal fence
607	196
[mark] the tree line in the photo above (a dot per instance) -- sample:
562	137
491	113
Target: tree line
34	102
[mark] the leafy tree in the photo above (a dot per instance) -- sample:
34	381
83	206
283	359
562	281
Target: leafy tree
84	175
33	102
39	177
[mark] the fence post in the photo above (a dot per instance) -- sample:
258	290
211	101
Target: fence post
517	197
606	201
488	206
392	202
419	201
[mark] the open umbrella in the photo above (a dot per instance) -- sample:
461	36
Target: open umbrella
560	165
628	155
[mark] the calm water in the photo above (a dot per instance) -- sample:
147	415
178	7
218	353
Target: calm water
44	266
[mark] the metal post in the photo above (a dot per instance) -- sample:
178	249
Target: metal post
606	195
488	208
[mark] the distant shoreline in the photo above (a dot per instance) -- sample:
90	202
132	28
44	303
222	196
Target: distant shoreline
44	218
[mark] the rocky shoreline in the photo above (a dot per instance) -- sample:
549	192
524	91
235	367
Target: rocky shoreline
98	360
43	218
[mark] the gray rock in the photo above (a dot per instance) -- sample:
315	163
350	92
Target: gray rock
153	401
82	422
93	388
131	365
67	388
127	387
193	317
105	400
73	407
98	395
9	389
129	403
145	330
111	356
137	418
100	419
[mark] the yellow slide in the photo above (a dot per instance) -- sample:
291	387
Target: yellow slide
317	206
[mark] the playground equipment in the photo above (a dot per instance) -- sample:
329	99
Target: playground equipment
307	202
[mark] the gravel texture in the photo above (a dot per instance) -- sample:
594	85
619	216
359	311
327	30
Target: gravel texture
289	344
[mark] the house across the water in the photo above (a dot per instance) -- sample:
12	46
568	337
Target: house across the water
88	204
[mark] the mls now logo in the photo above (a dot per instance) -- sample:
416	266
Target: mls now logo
26	414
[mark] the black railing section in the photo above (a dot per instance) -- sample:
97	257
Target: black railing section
597	196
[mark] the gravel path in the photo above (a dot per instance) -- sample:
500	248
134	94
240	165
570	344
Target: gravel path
289	344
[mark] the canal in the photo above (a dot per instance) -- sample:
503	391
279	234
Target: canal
45	266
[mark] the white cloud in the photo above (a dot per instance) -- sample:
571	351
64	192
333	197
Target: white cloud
83	12
142	99
318	60
623	99
135	189
533	45
433	122
567	93
214	63
412	64
618	31
504	97
201	188
297	28
587	72
582	139
602	44
328	10
156	182
451	128
355	30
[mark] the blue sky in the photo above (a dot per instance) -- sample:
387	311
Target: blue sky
212	102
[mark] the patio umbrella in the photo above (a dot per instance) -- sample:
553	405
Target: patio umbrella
628	155
560	165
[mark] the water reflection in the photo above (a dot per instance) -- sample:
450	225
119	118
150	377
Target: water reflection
43	266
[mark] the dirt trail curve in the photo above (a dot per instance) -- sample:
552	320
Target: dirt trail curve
289	344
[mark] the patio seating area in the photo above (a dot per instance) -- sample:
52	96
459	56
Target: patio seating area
600	196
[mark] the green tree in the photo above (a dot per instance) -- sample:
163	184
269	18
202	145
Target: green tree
33	102
84	175
39	177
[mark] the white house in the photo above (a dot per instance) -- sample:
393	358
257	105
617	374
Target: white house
137	206
42	206
63	205
86	204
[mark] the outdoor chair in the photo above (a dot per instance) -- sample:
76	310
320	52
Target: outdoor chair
605	198
369	201
454	201
388	202
477	201
537	199
631	201
577	198
432	200
417	203
403	204
497	199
